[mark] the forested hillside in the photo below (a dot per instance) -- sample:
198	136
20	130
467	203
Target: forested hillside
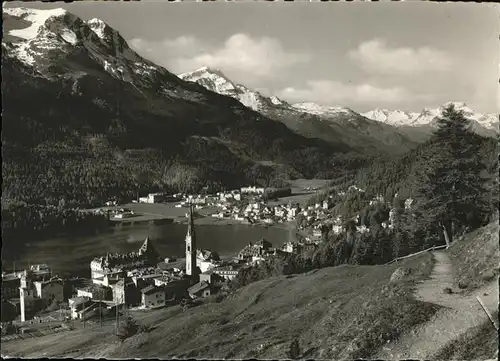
445	188
89	120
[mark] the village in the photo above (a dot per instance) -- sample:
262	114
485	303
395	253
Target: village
145	280
249	205
139	280
246	205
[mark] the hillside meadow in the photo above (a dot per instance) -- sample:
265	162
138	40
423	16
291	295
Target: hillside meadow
337	312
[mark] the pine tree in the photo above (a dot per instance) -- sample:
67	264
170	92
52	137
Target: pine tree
450	193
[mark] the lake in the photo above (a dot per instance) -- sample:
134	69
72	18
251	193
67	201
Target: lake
71	255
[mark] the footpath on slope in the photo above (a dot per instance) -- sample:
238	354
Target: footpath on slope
459	313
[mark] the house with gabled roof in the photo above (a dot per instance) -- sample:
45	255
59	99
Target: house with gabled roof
152	297
200	289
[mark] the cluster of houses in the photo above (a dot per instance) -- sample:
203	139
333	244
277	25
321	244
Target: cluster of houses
115	213
34	289
159	198
320	219
136	279
258	212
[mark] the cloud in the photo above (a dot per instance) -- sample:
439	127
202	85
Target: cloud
168	48
332	92
376	56
239	54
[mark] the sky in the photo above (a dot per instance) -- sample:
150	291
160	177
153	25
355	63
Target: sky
363	55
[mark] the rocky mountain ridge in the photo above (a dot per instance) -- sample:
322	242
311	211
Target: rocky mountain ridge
425	121
337	125
484	124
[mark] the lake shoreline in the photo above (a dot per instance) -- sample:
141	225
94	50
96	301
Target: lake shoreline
71	254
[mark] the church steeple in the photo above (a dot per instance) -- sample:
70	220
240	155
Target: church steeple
148	250
191	266
190	231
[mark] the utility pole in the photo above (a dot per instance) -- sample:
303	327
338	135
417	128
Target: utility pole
100	310
117	317
125	298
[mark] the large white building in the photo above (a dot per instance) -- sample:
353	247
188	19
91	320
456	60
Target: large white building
109	269
35	283
252	190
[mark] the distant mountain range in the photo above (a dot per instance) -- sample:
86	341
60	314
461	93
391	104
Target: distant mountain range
323	122
74	90
335	125
426	121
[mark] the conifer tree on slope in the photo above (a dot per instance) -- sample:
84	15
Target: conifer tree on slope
450	193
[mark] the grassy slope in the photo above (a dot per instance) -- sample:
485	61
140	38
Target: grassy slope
478	343
346	311
476	256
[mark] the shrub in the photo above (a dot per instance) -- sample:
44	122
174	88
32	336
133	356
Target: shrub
127	329
145	328
294	351
220	297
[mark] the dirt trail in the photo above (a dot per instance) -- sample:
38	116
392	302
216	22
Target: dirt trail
459	313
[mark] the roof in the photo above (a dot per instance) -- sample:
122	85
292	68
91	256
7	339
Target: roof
10	277
198	287
151	289
88	308
264	243
148	249
79	299
53	280
92	287
154	275
207	254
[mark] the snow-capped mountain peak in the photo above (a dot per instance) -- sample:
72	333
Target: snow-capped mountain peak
428	116
37	37
212	79
98	27
391	117
36	17
276	101
216	81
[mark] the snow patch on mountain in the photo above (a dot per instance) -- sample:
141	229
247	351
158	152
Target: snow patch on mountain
313	108
97	26
117	71
276	101
36	17
36	38
69	36
143	68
